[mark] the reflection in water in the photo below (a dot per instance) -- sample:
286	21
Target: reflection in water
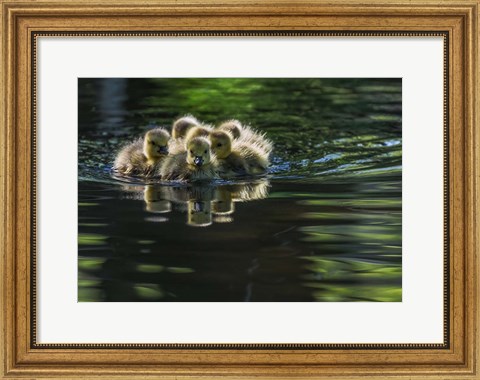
306	241
112	96
325	226
203	203
199	213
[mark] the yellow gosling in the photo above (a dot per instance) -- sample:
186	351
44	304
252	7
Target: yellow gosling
230	163
256	160
183	125
196	163
142	156
198	131
249	135
237	157
234	127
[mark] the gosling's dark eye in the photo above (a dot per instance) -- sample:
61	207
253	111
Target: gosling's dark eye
191	152
152	142
219	144
205	152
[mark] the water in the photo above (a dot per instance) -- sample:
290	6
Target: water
323	225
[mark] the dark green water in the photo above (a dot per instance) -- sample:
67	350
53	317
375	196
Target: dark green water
324	225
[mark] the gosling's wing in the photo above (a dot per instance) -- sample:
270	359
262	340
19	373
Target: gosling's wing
259	140
236	163
173	166
256	161
129	156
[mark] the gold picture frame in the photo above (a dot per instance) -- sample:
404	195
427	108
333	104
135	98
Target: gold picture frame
24	21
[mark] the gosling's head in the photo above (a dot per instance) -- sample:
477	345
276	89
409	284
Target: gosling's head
234	127
221	143
155	144
198	131
198	152
183	125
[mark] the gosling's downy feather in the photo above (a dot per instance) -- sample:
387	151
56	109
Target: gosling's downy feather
144	155
230	163
256	139
131	158
198	131
234	127
196	163
175	167
182	125
255	159
237	156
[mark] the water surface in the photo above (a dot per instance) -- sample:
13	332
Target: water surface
323	225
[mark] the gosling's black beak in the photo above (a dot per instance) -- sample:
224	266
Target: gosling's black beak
198	161
163	149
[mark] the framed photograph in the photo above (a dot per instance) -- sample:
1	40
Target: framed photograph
238	190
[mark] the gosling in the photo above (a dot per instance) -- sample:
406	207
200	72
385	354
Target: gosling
248	135
196	163
186	129
183	125
237	157
198	131
143	156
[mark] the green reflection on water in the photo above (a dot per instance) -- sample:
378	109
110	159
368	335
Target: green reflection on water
91	239
149	292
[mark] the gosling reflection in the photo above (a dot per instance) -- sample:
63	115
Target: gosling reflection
154	201
249	192
222	219
223	202
199	213
204	204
